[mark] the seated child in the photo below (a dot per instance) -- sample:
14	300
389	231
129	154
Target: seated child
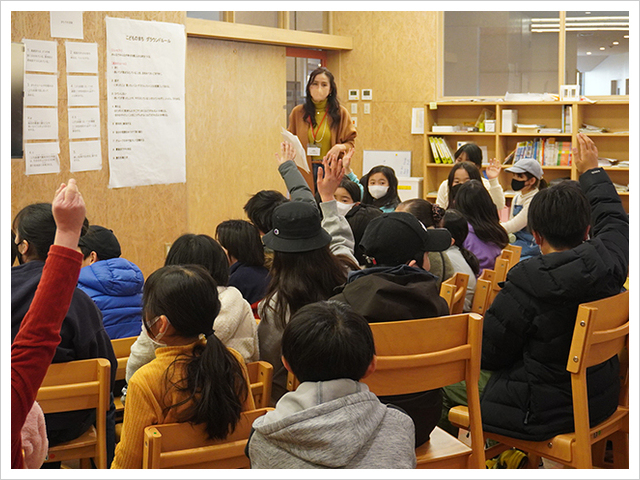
331	420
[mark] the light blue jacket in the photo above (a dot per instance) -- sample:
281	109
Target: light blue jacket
115	285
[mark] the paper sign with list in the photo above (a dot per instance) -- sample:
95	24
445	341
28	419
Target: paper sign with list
40	56
40	123
82	91
82	57
40	90
42	158
146	107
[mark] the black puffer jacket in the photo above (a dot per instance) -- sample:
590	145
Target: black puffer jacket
529	327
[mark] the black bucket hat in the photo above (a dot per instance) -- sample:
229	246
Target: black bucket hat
397	237
296	228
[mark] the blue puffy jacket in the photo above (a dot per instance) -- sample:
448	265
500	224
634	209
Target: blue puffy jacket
115	285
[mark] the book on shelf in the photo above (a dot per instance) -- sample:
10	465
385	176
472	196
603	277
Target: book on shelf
528	128
564	153
443	128
567	118
548	130
550	155
447	155
434	150
591	129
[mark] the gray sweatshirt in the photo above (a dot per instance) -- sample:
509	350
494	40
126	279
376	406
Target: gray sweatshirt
334	424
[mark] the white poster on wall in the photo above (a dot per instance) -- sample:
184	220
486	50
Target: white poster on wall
82	91
84	123
40	124
81	57
40	56
40	90
66	24
85	156
42	158
146	108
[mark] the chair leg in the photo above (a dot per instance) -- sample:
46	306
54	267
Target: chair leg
85	463
597	454
534	461
620	444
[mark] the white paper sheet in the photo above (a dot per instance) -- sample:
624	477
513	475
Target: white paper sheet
40	56
85	156
40	90
417	121
146	92
84	123
81	57
66	25
301	156
82	91
40	124
41	158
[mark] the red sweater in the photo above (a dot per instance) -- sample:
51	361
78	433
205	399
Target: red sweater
35	344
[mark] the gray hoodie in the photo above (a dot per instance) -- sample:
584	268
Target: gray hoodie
334	424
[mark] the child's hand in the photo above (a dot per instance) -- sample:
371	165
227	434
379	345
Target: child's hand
586	155
346	161
329	178
493	170
287	152
68	212
335	152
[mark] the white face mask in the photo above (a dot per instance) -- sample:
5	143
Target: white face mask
343	208
378	191
156	341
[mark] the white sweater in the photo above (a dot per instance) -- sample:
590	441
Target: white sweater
493	187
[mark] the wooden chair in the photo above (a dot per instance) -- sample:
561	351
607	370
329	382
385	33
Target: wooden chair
425	354
292	382
122	350
183	445
501	268
480	301
491	277
514	253
79	385
454	291
260	378
601	331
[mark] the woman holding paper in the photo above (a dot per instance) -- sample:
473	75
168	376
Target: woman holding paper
323	126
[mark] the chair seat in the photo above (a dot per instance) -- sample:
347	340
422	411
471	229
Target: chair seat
558	448
83	446
442	451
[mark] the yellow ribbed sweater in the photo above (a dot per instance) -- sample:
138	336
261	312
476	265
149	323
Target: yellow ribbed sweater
146	400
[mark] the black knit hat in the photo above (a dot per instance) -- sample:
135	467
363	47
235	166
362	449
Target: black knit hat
296	228
102	241
398	237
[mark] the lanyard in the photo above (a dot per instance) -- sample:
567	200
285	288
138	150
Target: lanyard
319	125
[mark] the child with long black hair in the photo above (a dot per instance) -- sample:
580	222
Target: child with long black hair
194	377
381	188
461	259
486	237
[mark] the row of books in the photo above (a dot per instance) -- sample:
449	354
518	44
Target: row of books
440	150
549	152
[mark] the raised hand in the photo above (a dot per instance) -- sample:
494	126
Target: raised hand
69	213
493	170
329	178
585	156
287	152
346	161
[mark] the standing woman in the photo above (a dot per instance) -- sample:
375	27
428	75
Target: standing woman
323	126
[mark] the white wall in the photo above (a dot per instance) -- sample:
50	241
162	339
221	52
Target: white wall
598	80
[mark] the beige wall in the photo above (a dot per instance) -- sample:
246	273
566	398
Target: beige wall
394	54
235	107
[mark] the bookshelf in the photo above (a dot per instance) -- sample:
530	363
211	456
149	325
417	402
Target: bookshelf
611	115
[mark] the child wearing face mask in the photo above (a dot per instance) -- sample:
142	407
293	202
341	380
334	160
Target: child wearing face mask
381	188
527	181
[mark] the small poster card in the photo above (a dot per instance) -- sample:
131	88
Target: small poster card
85	156
42	158
66	25
40	123
82	57
301	157
40	56
40	90
82	91
84	123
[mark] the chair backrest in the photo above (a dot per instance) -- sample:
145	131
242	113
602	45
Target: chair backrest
429	353
79	385
454	291
512	253
601	332
480	301
260	379
122	350
501	268
183	445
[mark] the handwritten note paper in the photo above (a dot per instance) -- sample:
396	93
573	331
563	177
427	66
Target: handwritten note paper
40	123
66	25
40	56
82	57
84	123
82	91
42	158
40	90
85	156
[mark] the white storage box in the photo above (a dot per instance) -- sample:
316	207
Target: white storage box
409	187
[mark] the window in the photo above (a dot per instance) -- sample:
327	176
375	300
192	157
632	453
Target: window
307	21
300	63
217	16
264	19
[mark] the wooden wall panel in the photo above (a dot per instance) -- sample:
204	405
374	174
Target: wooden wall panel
394	54
236	94
143	218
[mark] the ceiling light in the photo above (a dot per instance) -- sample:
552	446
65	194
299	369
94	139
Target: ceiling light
626	36
602	48
616	43
587	13
588	53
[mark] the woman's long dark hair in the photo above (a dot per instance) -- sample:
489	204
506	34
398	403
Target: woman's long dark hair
242	241
212	379
474	202
391	198
302	278
333	105
457	225
472	171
